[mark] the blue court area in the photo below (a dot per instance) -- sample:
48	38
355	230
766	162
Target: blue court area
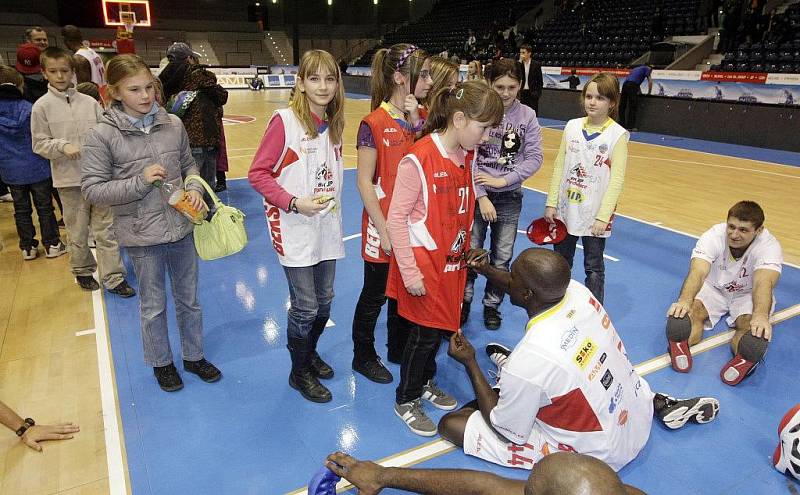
252	433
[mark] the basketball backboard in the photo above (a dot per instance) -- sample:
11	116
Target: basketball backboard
121	12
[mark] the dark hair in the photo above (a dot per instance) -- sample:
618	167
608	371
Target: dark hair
474	98
505	67
55	53
29	31
71	32
90	89
402	57
526	47
748	211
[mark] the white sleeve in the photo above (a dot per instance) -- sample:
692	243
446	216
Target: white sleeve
770	257
710	246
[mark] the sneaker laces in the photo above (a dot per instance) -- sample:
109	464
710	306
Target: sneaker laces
499	359
434	389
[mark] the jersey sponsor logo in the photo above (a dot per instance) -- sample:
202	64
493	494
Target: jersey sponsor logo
274	220
386	142
607	379
440	175
603	148
597	367
570	314
452	267
574	196
390	129
612	406
373	242
733	286
637	386
569	338
458	242
585	352
622	419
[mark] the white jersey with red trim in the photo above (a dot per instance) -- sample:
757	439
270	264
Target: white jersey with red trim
96	63
570	379
730	275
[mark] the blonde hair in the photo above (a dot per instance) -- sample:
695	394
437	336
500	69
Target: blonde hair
122	67
608	86
310	64
474	98
403	58
475	64
442	71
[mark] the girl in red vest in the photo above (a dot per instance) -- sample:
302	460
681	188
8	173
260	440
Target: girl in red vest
400	78
429	222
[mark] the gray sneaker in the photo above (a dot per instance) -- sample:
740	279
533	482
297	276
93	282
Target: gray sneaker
438	397
415	418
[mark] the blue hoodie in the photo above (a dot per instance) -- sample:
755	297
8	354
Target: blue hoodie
19	165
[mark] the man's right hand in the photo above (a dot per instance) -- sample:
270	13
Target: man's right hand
71	151
679	309
364	475
154	172
550	214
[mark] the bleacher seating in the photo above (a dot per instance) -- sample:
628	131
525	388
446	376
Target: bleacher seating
780	52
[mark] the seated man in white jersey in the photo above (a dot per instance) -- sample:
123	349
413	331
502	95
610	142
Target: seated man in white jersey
734	269
567	385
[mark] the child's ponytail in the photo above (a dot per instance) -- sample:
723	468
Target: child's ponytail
474	98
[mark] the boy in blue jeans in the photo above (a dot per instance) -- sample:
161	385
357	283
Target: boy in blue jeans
26	173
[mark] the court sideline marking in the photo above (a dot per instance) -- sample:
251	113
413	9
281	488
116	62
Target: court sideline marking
436	448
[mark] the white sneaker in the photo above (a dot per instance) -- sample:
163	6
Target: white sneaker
56	251
30	254
6	198
498	354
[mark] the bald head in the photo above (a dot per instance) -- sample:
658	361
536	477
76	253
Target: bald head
568	473
544	272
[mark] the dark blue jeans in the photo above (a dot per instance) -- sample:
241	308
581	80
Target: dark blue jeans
593	262
501	248
310	294
23	211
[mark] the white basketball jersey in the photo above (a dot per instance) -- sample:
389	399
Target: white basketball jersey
587	169
570	377
736	276
307	167
96	63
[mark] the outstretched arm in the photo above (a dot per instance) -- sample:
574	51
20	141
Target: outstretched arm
764	281
371	478
698	271
36	433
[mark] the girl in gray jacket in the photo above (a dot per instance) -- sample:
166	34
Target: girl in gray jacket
134	149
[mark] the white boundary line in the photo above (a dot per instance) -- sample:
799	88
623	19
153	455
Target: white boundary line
91	331
117	483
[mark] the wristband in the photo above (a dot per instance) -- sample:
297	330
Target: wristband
293	205
25	425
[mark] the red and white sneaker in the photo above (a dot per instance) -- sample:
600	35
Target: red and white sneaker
681	356
736	370
786	458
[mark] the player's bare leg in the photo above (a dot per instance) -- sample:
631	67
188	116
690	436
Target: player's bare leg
452	425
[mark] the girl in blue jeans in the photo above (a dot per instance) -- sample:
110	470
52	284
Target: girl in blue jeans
133	150
298	169
512	154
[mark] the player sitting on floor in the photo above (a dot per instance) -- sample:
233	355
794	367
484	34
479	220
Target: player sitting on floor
734	269
567	385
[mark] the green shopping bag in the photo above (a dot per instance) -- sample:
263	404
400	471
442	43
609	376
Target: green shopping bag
224	235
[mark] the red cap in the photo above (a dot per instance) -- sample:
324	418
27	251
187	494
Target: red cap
540	231
28	59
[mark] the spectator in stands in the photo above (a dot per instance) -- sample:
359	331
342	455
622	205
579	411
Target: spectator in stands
38	37
630	95
573	80
474	71
704	9
532	82
469	46
88	64
28	65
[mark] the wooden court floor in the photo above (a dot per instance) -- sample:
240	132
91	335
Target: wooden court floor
51	374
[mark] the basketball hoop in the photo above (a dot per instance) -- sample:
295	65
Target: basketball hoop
128	20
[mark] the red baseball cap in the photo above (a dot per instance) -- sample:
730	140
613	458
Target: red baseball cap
540	231
28	59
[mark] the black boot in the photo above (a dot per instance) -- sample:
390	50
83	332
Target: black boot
221	184
302	378
320	368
